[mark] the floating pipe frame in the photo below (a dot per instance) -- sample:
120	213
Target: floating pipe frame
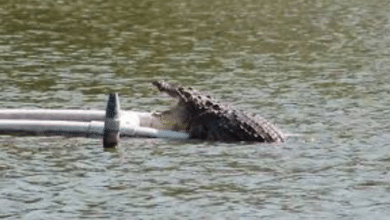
88	123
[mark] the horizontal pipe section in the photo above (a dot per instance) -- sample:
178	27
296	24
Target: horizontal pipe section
53	114
142	119
77	128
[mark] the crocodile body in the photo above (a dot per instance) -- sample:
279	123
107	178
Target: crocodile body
206	119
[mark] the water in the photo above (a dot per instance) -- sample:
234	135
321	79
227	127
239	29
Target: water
316	68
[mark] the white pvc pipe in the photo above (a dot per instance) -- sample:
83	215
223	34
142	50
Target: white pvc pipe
153	133
81	123
76	128
45	126
52	114
143	119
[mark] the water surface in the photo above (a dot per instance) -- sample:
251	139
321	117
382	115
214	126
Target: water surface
315	68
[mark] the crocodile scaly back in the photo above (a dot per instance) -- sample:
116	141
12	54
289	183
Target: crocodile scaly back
210	120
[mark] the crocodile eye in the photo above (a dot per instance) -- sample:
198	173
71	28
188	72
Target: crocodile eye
199	97
208	96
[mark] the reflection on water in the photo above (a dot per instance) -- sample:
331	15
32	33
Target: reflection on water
317	68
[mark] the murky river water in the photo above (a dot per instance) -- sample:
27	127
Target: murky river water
316	68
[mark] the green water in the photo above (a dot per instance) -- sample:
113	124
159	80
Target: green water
315	68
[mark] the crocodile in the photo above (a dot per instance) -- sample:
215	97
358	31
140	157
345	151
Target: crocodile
205	118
